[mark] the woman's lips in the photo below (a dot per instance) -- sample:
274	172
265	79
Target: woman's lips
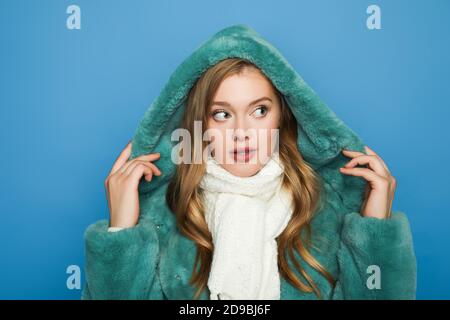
243	154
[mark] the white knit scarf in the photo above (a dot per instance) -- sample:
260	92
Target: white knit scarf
244	216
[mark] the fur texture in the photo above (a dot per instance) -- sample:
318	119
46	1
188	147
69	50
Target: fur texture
154	261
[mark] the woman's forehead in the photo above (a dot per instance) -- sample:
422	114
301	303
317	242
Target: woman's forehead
243	90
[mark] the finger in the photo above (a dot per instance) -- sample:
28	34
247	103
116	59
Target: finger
121	159
155	169
107	197
355	153
151	166
133	165
139	170
366	194
373	162
146	157
351	153
371	152
366	173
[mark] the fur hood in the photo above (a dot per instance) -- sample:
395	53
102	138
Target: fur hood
322	135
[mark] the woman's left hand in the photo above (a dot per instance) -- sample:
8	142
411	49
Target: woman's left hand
381	184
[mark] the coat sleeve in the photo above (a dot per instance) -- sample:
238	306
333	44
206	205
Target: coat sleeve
122	264
376	258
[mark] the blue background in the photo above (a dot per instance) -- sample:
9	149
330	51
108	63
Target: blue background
71	99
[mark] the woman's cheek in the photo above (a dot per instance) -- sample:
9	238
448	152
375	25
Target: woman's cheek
217	143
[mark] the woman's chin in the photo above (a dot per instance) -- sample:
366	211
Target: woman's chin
243	169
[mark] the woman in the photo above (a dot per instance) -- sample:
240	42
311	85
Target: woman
303	213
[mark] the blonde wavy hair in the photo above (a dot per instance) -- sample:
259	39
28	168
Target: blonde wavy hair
185	198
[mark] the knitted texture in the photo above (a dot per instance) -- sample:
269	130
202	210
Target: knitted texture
245	215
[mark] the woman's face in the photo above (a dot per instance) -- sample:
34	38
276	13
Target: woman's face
245	113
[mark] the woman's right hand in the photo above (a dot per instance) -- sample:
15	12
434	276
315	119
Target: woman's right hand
121	186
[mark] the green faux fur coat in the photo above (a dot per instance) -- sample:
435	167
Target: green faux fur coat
154	261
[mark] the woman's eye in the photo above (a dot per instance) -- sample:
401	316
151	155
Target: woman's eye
263	109
220	115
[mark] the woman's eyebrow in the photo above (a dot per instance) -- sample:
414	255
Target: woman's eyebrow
226	104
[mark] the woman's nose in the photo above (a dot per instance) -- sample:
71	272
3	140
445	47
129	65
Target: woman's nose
241	130
240	134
